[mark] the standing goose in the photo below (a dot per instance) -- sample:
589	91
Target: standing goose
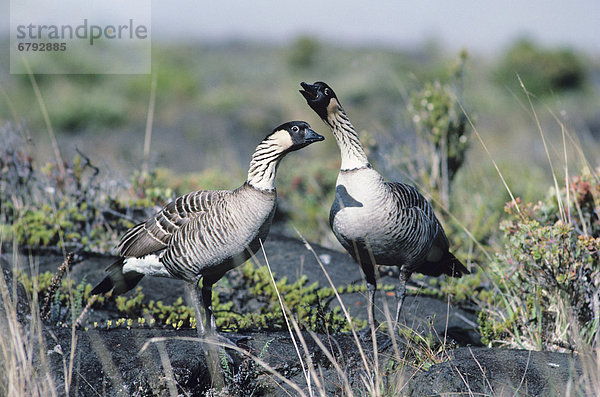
378	222
203	234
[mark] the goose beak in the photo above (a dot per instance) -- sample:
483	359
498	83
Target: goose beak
312	136
309	92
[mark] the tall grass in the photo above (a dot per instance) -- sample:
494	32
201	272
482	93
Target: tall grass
23	357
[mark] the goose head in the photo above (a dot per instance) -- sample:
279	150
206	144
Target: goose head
293	135
321	98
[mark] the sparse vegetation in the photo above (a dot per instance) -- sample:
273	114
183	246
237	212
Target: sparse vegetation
550	271
75	210
308	303
536	264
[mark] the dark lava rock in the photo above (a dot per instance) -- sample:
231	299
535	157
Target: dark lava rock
291	258
17	294
115	363
156	362
498	372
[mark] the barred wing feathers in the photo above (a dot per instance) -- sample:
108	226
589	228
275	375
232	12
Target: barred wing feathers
155	234
425	241
416	228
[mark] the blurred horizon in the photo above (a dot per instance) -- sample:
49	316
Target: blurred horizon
482	27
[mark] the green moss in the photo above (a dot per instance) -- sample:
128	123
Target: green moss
305	302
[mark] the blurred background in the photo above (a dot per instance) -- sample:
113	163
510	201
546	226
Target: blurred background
491	108
227	73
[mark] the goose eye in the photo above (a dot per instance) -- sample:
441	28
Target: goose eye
326	91
295	128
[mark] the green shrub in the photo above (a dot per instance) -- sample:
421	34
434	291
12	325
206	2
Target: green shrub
549	271
543	71
76	209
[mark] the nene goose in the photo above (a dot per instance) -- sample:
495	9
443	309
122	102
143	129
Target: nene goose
203	234
378	222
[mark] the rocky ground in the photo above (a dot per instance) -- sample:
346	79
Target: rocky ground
153	361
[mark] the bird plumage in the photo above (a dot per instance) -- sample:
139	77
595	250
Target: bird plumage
204	234
379	222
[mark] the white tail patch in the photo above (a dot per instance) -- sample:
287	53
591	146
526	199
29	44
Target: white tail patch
149	265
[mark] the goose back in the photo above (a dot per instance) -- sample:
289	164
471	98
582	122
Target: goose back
204	232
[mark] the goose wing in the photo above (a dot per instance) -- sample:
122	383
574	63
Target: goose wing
155	233
416	227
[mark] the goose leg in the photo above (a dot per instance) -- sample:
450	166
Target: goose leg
401	293
206	293
201	298
202	302
371	288
369	271
198	305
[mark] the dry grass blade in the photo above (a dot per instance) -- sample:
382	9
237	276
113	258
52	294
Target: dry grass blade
42	104
369	384
305	371
487	151
14	114
168	368
312	374
541	131
524	374
334	362
149	122
20	376
110	368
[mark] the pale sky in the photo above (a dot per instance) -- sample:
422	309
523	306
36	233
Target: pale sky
482	26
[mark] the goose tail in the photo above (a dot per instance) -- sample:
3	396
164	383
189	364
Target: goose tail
449	265
116	280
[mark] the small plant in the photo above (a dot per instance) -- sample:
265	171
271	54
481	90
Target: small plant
443	131
307	302
550	271
242	379
64	300
423	350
